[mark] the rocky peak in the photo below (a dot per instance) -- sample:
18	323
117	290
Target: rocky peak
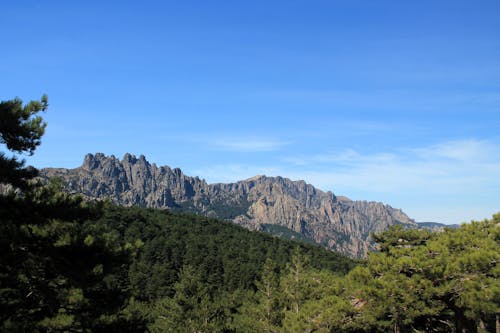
335	222
129	159
90	162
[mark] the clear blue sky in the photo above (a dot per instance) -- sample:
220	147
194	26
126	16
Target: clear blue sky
392	101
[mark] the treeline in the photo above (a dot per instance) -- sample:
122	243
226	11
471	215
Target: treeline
71	265
419	282
67	264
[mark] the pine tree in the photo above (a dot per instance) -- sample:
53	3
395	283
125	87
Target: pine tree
264	311
21	130
268	294
445	281
191	309
59	270
468	276
294	285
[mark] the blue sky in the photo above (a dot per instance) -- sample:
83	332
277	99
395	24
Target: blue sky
392	101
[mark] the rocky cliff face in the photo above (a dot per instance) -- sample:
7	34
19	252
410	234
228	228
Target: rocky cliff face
335	222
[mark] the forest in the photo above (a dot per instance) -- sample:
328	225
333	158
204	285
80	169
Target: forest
70	265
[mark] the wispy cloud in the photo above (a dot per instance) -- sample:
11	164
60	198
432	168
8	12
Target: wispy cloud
443	168
468	151
247	144
451	181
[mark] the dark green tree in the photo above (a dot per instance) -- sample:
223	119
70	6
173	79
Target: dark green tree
263	312
21	129
59	269
191	309
294	284
444	282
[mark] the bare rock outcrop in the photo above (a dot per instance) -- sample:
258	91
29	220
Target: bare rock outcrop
337	223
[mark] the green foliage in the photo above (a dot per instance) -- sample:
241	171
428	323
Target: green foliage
229	212
418	282
192	308
20	131
445	281
220	209
59	270
264	311
226	256
52	277
284	232
190	272
295	284
20	128
398	237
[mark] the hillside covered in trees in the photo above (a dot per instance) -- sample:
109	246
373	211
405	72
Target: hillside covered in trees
105	268
70	265
258	203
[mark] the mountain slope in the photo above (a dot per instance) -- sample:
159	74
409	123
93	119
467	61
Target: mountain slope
335	222
436	226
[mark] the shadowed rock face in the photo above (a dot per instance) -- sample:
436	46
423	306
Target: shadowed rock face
335	222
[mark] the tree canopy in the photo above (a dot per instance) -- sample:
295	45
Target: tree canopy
21	130
59	271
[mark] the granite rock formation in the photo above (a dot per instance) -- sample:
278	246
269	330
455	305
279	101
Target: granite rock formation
335	222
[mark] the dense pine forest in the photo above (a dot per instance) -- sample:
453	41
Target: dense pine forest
69	265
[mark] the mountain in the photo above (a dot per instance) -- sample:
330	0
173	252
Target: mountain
436	226
337	223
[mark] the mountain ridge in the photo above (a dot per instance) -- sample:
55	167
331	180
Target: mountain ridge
337	223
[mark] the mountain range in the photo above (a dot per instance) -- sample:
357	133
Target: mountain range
273	204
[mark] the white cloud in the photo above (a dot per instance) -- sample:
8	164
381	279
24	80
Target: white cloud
451	181
462	151
443	168
247	144
448	182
